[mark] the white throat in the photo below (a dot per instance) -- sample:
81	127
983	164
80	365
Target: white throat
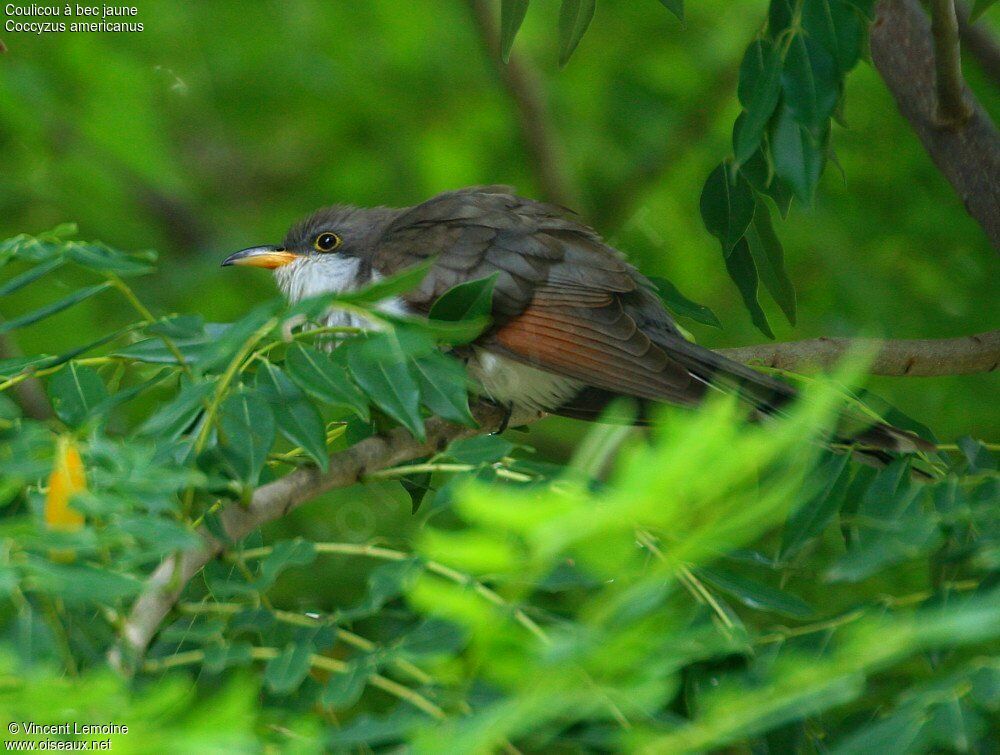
312	276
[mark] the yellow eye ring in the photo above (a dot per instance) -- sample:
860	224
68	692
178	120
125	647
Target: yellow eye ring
326	242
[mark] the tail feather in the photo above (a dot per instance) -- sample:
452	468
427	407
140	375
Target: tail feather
769	396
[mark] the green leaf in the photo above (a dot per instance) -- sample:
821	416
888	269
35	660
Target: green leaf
779	16
727	206
812	517
443	387
798	158
173	418
285	672
574	18
837	27
811	83
344	689
284	555
681	306
769	259
979	7
320	376
103	259
75	391
511	15
379	367
400	283
54	308
30	276
892	734
759	89
222	348
675	6
755	594
297	418
741	269
466	301
246	433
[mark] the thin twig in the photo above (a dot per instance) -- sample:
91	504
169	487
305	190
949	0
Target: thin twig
952	109
902	49
898	358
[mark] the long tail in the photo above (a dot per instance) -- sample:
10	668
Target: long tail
766	394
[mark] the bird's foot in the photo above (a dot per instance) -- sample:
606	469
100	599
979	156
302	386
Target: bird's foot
508	411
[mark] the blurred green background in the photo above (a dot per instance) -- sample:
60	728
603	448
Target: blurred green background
223	122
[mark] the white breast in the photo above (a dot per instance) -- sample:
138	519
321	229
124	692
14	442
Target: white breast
327	274
509	382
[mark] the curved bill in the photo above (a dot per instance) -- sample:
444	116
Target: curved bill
270	257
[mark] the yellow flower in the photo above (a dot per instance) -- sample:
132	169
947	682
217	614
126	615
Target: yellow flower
67	479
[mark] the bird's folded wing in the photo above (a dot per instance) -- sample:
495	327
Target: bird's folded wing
600	346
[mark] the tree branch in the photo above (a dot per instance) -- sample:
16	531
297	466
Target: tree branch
968	155
277	499
904	358
957	356
952	109
522	85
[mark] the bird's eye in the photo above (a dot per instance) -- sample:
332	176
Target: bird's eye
326	242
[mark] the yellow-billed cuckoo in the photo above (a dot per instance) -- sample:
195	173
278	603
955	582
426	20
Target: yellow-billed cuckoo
574	324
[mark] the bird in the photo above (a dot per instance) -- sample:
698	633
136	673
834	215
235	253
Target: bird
574	326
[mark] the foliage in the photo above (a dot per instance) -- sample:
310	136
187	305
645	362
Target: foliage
709	604
706	585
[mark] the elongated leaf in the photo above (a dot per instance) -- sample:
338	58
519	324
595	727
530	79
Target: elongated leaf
466	301
769	258
104	259
172	419
285	672
297	418
445	331
675	6
798	157
759	89
343	690
511	15
979	7
837	27
224	347
574	18
284	555
811	83
815	514
75	391
379	367
442	382
741	269
726	206
55	307
320	376
779	16
246	433
681	306
400	283
756	594
30	276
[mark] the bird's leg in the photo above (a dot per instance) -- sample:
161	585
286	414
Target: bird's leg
508	411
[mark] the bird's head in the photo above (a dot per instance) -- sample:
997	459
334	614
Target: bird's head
339	230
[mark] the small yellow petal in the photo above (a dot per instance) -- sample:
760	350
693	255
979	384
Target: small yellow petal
67	479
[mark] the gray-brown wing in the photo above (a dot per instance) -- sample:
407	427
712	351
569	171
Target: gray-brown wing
564	301
477	232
